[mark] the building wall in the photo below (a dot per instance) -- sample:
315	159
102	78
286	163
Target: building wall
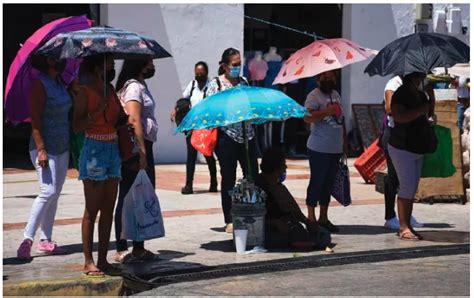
190	32
374	26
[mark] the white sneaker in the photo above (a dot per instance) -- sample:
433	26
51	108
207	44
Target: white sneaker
414	223
392	224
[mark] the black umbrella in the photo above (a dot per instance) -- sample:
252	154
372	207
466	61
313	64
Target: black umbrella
98	40
419	52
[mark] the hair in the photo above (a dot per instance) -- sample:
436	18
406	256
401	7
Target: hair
40	62
407	78
225	59
131	69
272	159
203	64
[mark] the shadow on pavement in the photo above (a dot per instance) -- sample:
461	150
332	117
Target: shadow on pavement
173	254
362	230
445	236
218	229
223	245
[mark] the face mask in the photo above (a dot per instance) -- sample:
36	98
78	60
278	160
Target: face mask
234	72
109	75
282	178
60	66
201	79
150	72
326	86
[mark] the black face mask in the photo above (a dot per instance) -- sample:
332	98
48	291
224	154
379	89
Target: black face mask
109	75
60	66
327	86
150	72
201	79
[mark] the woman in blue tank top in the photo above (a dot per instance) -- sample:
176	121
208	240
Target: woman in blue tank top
49	102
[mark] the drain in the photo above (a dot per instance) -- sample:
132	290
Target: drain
135	284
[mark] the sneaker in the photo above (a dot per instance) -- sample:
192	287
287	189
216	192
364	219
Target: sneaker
229	228
213	187
24	251
187	190
50	248
414	223
392	224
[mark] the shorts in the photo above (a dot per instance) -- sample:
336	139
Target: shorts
99	160
408	166
323	168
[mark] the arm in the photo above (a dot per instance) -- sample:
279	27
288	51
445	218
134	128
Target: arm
402	115
187	91
431	97
37	102
134	109
317	116
388	101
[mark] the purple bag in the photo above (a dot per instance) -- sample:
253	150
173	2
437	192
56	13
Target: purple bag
341	189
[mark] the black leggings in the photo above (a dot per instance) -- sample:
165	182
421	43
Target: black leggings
191	164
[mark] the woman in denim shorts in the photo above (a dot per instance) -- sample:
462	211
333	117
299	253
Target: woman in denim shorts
96	112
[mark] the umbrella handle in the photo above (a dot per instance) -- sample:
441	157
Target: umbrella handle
247	155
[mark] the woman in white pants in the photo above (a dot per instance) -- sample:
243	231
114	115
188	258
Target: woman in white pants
49	151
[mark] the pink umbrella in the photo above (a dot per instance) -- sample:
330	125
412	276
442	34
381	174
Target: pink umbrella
21	72
321	56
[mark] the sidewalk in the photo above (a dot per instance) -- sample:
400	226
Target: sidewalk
194	230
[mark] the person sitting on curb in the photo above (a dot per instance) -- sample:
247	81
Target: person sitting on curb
284	219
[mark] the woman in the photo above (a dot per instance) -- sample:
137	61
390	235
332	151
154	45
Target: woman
230	147
96	111
325	146
139	105
196	92
284	220
409	140
49	151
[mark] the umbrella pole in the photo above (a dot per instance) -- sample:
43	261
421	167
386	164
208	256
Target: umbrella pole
247	155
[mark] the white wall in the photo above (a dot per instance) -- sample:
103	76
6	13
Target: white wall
374	26
190	32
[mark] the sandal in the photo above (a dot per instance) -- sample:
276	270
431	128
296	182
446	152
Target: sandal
93	274
408	235
147	255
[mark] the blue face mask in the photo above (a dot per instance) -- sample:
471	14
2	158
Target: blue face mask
282	178
235	71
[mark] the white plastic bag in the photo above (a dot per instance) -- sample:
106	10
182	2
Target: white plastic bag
141	215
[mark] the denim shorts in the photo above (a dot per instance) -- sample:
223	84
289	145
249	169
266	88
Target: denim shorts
99	160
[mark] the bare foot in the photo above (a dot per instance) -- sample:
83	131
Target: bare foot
408	235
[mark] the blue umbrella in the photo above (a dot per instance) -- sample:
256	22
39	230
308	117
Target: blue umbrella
250	104
239	105
98	40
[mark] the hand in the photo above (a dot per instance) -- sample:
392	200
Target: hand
43	158
173	115
143	162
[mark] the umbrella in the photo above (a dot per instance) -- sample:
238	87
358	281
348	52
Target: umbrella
321	56
98	40
21	73
418	52
241	104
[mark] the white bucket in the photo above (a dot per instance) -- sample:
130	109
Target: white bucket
240	240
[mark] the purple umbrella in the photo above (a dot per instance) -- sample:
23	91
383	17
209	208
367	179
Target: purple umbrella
21	72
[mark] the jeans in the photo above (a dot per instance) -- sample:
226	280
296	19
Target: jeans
323	167
51	180
129	173
229	152
391	184
460	108
191	164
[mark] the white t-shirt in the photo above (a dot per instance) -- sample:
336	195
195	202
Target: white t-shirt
198	94
463	91
134	90
393	85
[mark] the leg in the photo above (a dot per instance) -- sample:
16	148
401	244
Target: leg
226	153
331	173
59	172
211	164
93	192
190	163
390	189
319	166
109	191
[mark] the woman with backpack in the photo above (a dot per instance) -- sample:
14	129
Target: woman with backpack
139	105
195	92
230	147
50	103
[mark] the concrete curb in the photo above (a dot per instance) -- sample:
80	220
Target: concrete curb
109	286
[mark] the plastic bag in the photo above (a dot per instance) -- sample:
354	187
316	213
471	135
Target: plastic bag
141	216
204	140
440	163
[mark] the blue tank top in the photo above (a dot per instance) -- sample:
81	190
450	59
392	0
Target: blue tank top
55	118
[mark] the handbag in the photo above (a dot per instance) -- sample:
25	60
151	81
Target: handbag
204	140
128	146
440	163
341	189
141	216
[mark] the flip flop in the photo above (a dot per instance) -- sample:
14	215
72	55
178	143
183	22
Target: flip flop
88	274
408	236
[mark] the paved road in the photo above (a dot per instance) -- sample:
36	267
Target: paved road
433	276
